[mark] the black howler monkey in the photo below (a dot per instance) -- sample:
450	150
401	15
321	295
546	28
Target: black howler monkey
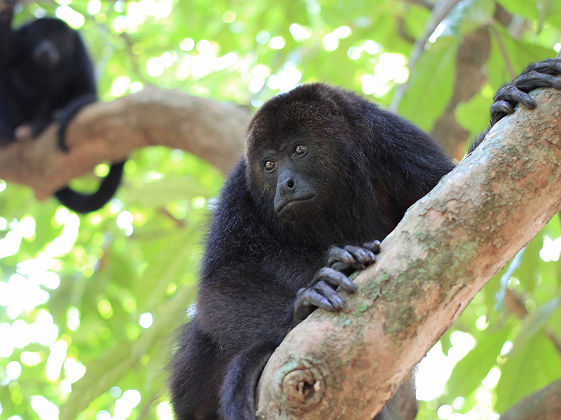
47	75
325	172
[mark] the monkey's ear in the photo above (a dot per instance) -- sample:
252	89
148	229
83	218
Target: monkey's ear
334	107
331	96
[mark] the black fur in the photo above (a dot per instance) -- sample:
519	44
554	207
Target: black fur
47	75
266	253
366	165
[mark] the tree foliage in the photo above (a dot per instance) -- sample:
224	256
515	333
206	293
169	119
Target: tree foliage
89	305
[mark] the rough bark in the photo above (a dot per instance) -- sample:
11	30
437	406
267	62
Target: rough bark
212	130
544	404
444	250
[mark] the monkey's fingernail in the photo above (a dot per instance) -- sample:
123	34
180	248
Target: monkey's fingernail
375	246
337	302
351	287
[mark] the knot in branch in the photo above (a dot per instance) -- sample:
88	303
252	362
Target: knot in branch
303	387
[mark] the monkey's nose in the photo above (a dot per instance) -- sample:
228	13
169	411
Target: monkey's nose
46	55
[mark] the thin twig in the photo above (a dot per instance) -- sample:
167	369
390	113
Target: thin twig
515	305
440	12
423	3
178	222
504	52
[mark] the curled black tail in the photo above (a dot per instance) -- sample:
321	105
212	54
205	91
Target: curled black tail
85	203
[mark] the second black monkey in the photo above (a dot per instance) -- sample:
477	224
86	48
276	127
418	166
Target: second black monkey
47	75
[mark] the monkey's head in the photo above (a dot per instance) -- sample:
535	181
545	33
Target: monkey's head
41	49
304	158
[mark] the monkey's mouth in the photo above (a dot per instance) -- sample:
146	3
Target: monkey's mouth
291	204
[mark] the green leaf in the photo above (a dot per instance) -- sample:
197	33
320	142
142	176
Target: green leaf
472	369
545	8
533	324
530	368
103	372
522	8
159	193
473	115
510	53
431	83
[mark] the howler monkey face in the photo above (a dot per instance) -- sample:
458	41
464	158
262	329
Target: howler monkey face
295	174
291	178
42	47
302	154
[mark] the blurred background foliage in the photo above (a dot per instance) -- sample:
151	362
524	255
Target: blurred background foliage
89	305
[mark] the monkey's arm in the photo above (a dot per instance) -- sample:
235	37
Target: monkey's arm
82	89
39	122
197	373
240	305
66	114
247	315
48	111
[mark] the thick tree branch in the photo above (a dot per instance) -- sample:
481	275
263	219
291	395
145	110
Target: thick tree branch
444	250
213	130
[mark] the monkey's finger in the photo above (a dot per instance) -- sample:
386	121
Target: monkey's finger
335	278
22	132
549	66
302	307
362	256
337	254
501	107
512	94
313	297
533	80
342	267
499	110
326	291
373	246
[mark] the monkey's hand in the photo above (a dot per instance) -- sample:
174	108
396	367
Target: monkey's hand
322	292
543	74
23	132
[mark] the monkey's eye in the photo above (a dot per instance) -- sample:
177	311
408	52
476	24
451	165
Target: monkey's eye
300	150
269	165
